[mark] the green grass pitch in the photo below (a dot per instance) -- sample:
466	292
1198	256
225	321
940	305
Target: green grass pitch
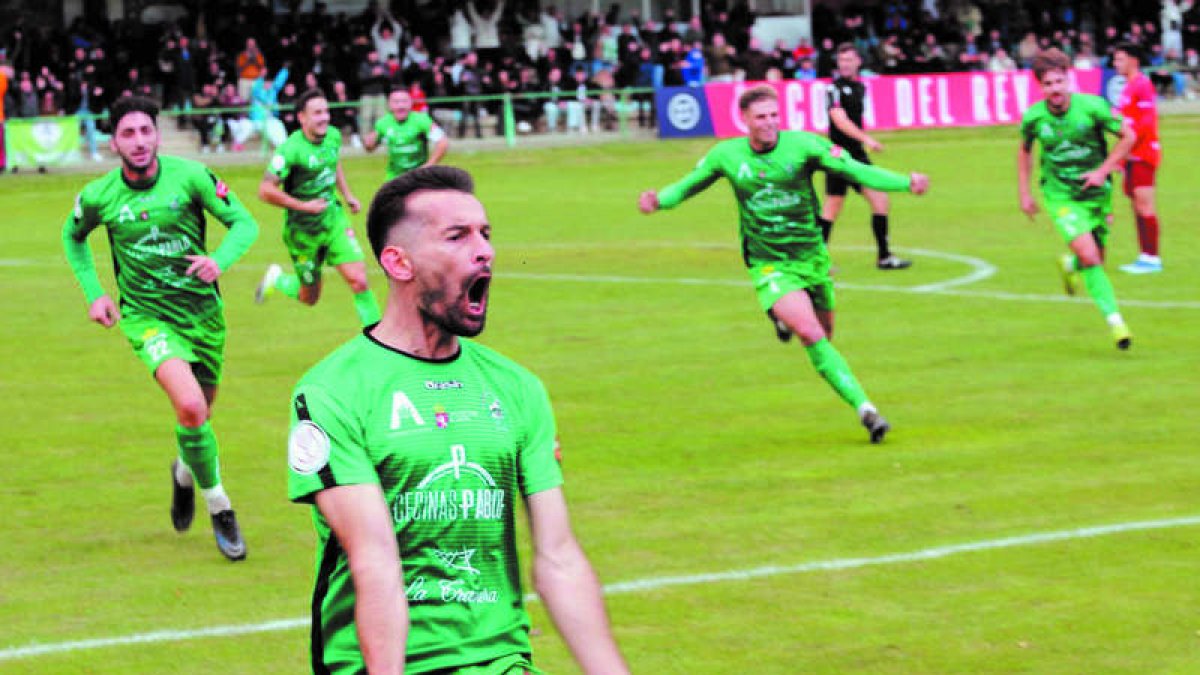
694	443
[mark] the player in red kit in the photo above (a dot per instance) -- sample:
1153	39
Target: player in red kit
1137	106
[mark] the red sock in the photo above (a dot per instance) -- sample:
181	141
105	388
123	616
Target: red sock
1147	227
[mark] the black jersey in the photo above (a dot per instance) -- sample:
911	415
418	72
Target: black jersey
849	95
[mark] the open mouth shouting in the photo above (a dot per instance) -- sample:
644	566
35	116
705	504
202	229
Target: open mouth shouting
477	295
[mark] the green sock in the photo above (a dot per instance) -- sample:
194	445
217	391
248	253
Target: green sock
831	366
1101	290
288	284
367	308
198	450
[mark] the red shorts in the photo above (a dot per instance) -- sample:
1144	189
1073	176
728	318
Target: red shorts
1138	174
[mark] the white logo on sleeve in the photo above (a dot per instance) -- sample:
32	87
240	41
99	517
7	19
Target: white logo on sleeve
308	448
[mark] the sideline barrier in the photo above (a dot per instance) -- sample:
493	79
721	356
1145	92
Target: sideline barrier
925	101
53	141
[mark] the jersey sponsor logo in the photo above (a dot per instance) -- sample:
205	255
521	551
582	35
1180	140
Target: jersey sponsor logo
485	501
449	590
155	243
744	171
772	198
313	162
438	385
403	406
457	561
308	448
125	215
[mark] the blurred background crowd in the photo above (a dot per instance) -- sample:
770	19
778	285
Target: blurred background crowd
246	60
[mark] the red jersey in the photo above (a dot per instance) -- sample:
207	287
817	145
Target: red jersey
1139	108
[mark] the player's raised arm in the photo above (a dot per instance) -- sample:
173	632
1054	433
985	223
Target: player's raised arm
569	588
696	181
835	159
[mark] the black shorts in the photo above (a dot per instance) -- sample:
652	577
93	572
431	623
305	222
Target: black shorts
835	185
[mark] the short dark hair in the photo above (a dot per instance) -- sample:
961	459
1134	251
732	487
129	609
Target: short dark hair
131	104
306	96
388	207
1048	60
846	47
1130	49
762	92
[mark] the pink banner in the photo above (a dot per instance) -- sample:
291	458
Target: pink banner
900	101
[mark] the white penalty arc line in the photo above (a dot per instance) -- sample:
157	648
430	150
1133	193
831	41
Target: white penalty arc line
642	585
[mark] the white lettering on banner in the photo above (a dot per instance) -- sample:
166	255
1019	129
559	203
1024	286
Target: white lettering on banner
924	101
793	98
980	111
1022	84
1000	89
944	116
735	112
816	102
904	102
868	106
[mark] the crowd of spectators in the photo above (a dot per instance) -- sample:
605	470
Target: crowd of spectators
998	35
230	72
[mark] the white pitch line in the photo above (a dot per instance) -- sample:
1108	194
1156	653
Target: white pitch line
881	288
642	585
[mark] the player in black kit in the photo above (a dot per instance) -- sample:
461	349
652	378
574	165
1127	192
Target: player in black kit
845	100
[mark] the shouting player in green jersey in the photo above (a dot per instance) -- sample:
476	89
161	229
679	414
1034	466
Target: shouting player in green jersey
407	135
170	311
301	179
414	444
1075	177
771	173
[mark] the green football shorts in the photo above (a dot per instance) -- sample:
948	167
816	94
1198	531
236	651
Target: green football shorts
1073	219
774	280
334	244
201	344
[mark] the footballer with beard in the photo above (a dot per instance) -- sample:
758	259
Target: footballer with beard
413	443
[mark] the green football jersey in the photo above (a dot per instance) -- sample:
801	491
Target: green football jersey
1073	143
777	205
307	171
151	230
407	142
452	443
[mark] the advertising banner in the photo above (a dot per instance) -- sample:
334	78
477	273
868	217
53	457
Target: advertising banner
41	141
682	111
928	101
